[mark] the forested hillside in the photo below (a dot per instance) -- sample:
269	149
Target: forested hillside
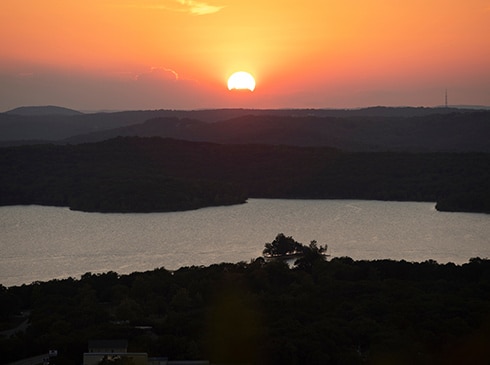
133	174
373	129
341	312
453	132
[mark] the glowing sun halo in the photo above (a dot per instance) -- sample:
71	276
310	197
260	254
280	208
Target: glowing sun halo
241	81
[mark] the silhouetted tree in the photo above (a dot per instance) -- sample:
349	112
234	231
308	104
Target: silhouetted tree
282	245
311	254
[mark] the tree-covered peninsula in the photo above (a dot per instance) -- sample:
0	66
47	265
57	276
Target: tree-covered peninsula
132	174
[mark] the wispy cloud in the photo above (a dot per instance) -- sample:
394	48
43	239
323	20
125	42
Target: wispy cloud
158	73
25	74
193	7
199	8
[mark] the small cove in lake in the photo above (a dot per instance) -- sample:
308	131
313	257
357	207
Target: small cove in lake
43	243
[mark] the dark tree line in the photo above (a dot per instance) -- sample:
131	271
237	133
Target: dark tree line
284	246
153	174
339	311
110	177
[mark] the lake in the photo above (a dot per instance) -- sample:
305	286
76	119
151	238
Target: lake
43	243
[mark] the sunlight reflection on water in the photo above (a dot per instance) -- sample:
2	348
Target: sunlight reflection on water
42	243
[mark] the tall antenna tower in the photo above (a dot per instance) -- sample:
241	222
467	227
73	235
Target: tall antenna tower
445	99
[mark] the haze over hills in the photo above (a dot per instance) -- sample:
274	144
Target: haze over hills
43	110
369	129
456	132
51	128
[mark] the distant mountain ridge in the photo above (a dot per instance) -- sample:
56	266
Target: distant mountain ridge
43	110
456	132
369	129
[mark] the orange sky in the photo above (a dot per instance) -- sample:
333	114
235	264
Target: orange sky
151	54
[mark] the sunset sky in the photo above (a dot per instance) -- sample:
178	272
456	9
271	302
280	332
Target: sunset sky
178	54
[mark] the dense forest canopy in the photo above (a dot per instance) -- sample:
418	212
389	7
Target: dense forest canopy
132	174
338	311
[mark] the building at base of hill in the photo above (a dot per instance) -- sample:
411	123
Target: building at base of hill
115	352
123	358
106	352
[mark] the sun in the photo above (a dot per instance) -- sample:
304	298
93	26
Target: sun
241	81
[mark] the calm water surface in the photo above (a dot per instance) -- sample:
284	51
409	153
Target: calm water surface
43	243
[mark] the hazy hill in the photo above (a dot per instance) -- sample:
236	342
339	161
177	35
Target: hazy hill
28	125
43	110
454	132
25	128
